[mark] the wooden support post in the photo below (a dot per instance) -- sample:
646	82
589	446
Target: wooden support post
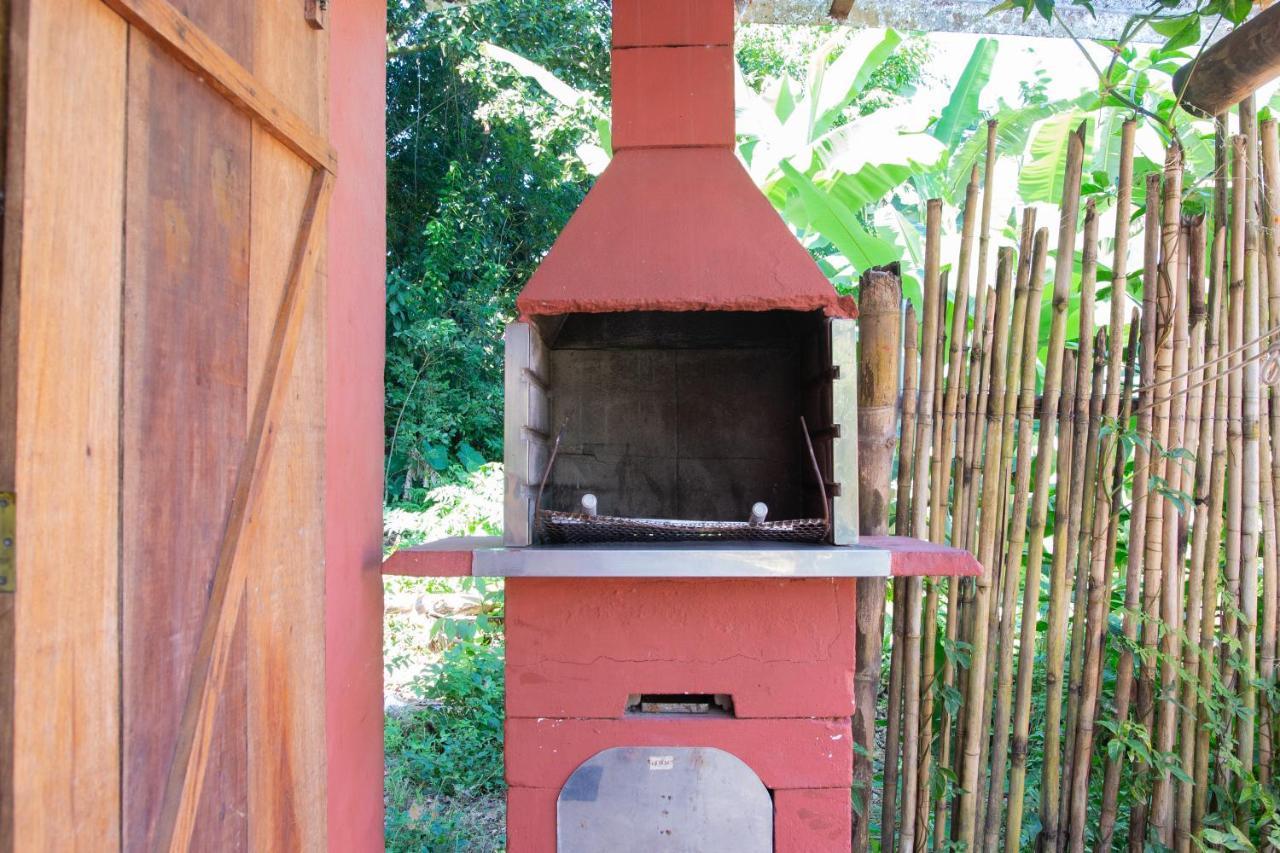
880	306
1234	68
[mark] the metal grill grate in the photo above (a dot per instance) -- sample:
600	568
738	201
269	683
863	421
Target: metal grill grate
573	528
580	529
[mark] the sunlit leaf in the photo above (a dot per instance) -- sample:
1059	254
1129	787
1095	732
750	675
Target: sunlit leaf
961	111
1042	177
837	224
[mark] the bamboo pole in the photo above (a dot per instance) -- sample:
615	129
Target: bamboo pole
991	485
1270	143
929	618
1082	702
956	382
1017	534
1127	666
1158	300
971	626
1270	547
879	351
1199	420
1219	324
914	748
903	525
982	357
1111	775
1173	281
955	362
996	508
1250	531
1105	514
1063	268
1035	555
1235	409
1017	388
1079	534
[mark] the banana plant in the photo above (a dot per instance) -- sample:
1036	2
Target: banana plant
826	169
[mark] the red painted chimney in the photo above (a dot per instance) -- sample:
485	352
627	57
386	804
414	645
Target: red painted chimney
675	223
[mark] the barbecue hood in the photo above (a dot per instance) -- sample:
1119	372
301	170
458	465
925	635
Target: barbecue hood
675	222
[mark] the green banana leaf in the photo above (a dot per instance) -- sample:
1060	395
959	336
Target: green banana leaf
961	111
1040	179
836	223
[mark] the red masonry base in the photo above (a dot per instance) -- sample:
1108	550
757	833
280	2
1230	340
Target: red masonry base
783	649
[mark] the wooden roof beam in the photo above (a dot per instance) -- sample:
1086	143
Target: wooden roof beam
1236	66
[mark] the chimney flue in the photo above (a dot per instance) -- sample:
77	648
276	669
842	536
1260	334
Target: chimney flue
673	74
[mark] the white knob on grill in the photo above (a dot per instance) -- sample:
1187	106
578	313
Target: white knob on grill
589	504
759	512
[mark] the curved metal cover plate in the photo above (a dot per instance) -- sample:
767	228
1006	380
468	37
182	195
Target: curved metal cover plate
677	799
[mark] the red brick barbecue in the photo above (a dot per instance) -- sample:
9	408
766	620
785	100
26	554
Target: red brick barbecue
681	545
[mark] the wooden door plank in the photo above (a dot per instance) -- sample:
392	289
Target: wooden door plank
15	118
284	604
185	404
290	59
66	716
192	753
284	552
193	48
228	25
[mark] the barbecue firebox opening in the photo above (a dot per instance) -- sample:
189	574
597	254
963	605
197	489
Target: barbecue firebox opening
692	416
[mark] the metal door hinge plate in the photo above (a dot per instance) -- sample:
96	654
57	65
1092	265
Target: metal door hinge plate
317	13
8	544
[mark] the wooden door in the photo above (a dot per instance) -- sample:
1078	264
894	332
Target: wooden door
162	414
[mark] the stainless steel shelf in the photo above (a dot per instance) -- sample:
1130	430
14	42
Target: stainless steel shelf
683	560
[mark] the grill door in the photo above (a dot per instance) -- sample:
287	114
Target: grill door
664	799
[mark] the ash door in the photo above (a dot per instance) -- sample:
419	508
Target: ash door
675	799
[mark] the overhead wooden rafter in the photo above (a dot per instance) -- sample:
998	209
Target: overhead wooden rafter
840	9
1236	66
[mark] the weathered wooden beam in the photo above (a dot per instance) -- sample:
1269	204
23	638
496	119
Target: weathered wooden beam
840	9
1234	68
968	16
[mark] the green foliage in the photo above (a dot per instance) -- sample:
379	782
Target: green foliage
1169	18
467	504
451	748
482	174
961	112
773	57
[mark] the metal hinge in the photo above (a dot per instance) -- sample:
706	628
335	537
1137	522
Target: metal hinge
317	13
8	535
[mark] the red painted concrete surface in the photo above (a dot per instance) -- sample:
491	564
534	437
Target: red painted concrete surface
444	558
678	229
693	85
786	753
353	435
917	558
812	820
675	223
531	820
579	648
670	23
782	648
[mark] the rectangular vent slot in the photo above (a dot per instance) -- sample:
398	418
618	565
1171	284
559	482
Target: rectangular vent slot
689	704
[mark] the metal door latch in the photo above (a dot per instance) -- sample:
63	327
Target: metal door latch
8	535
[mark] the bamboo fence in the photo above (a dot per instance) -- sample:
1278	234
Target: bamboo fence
1110	678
